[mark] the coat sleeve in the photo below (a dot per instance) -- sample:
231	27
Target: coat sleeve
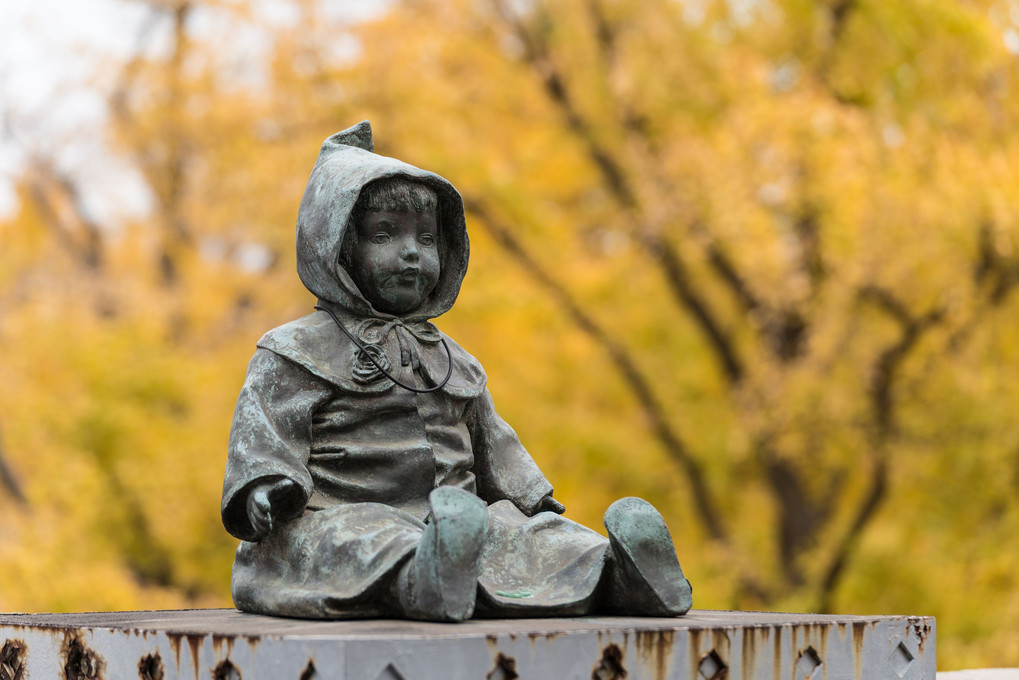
503	467
270	439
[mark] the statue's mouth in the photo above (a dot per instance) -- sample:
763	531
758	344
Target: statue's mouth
409	275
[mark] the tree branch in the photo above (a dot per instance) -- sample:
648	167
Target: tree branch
167	174
808	232
8	480
876	492
670	440
83	239
690	299
992	271
800	517
604	31
726	271
606	38
886	368
538	55
884	374
840	10
176	232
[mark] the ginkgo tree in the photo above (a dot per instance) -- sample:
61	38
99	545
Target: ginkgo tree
755	261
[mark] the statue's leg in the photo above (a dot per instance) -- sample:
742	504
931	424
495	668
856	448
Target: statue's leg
333	563
545	565
643	576
440	582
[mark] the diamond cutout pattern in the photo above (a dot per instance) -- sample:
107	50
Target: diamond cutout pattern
12	659
807	664
900	660
505	668
712	667
390	673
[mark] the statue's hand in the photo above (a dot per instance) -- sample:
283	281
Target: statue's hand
260	511
549	504
260	502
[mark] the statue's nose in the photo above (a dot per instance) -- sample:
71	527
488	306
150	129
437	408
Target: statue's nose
409	250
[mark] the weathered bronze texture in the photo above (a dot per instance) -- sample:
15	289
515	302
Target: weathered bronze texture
369	473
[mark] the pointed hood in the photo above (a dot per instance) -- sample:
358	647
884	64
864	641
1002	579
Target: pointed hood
345	164
407	344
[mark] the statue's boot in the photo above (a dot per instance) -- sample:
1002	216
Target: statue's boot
643	573
440	582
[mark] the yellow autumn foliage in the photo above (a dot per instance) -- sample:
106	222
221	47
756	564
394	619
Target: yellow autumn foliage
753	261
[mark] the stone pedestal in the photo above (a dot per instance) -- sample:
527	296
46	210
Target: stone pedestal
224	644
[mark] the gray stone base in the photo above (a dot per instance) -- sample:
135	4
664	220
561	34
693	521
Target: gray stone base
225	644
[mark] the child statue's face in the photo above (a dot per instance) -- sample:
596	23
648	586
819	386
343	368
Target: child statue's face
395	262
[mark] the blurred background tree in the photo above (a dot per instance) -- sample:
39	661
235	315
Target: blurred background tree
753	260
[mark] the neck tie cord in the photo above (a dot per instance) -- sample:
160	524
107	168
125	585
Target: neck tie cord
366	353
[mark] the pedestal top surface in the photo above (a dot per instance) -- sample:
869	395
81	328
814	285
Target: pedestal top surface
212	644
230	622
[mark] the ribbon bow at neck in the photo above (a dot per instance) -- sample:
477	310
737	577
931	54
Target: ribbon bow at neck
375	333
373	336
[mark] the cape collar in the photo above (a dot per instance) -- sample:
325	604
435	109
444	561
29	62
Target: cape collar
402	347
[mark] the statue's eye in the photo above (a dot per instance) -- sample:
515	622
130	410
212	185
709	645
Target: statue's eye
380	237
427	239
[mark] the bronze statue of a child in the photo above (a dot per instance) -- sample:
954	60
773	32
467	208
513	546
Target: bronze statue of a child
368	471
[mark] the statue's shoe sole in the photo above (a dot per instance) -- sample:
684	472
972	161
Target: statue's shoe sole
645	577
448	559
